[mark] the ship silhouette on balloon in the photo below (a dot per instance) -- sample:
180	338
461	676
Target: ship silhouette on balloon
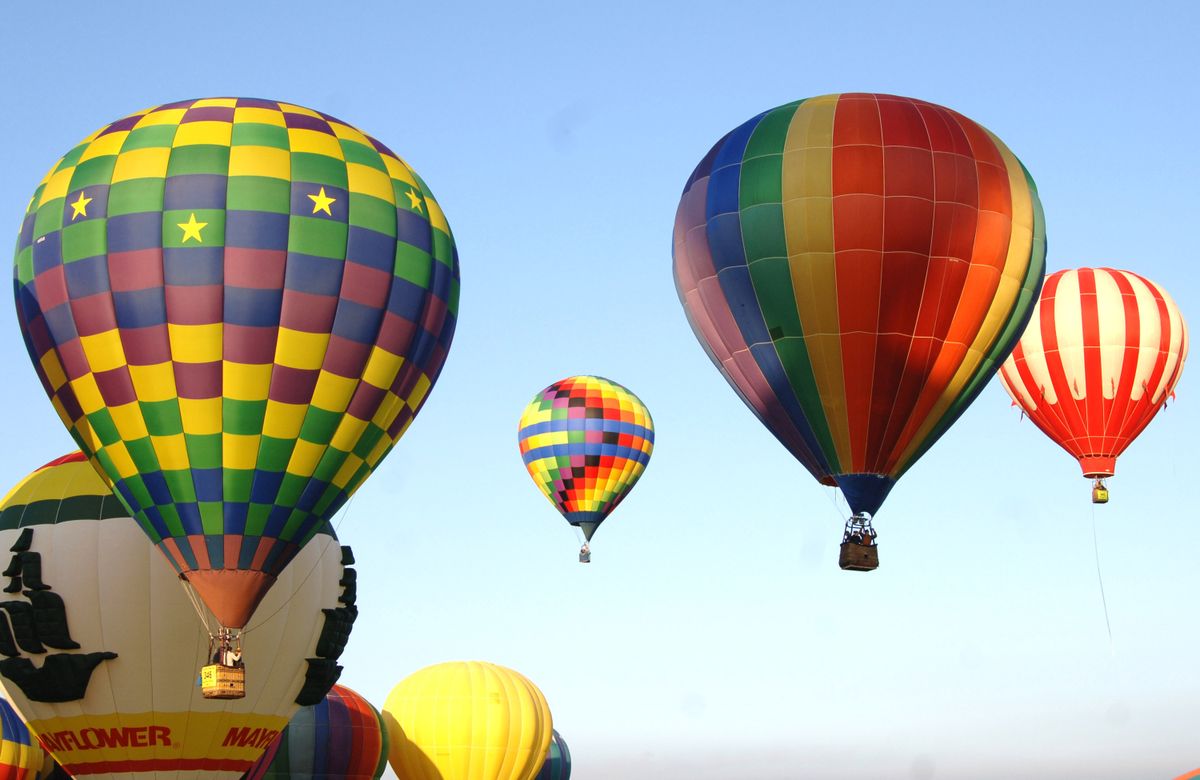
39	623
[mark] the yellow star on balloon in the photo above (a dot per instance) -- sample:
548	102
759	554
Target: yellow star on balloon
192	228
80	206
321	202
414	200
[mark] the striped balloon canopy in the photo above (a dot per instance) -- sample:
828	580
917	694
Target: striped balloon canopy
236	306
586	441
21	757
857	266
558	760
340	738
1100	358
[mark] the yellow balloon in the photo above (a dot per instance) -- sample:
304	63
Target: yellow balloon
467	720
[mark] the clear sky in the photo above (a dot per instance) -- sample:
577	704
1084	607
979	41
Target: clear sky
714	636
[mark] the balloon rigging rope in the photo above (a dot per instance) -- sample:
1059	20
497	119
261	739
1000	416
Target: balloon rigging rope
832	495
308	574
345	514
1100	579
200	611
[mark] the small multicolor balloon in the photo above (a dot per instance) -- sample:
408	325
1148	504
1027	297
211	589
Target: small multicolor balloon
586	441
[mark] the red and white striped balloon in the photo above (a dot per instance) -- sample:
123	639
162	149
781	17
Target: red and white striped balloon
1101	355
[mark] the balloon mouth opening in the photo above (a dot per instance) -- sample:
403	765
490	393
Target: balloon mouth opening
231	595
1098	466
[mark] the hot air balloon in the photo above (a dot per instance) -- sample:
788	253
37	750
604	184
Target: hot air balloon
1102	354
857	266
558	760
99	645
237	307
467	720
586	441
340	738
21	757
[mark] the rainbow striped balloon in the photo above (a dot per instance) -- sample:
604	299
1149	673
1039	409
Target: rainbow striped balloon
857	266
586	441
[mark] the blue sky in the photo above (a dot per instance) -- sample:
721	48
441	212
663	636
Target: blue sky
714	636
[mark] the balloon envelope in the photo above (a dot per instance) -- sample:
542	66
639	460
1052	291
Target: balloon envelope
1102	354
857	266
340	738
236	306
467	720
585	441
21	757
108	679
558	760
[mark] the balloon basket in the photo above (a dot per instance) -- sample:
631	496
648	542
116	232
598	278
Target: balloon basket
1099	493
859	551
858	557
218	681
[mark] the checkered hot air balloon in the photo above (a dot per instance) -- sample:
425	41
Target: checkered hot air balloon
586	441
1100	358
857	266
237	306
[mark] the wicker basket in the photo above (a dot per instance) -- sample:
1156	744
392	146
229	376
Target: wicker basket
859	557
218	681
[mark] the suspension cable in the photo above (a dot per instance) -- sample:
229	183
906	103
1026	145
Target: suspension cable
200	611
1100	580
